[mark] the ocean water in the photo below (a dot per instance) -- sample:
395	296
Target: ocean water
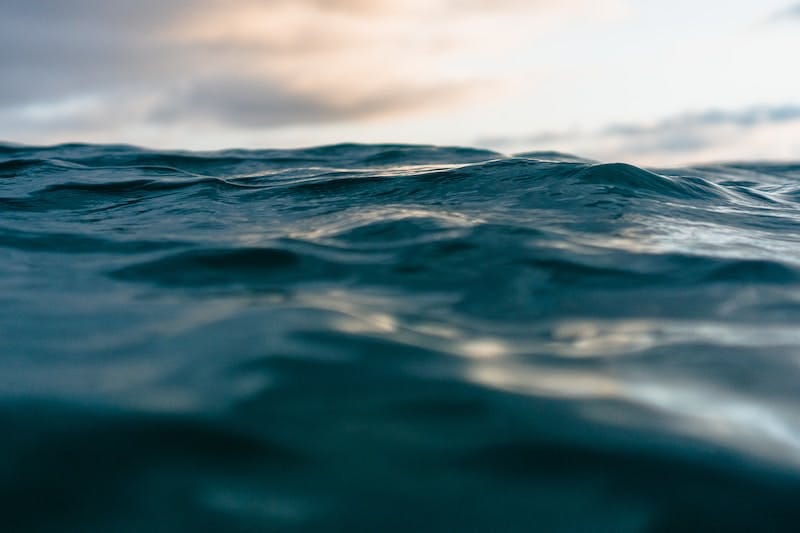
396	338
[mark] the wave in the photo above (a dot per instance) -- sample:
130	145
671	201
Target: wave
312	339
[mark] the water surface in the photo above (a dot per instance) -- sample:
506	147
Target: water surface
396	338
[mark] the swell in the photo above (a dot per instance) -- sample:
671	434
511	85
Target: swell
223	267
495	175
414	263
59	242
519	175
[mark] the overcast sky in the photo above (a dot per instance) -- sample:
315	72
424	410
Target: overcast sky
648	81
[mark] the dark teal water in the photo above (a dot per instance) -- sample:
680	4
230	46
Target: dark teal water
396	338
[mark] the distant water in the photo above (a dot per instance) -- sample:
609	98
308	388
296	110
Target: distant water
396	338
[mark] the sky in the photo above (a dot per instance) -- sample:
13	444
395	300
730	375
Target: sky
645	81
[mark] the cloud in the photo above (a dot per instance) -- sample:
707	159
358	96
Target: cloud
250	63
792	12
687	123
711	134
130	70
260	103
52	50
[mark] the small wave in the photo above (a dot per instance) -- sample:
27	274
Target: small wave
56	243
635	180
248	266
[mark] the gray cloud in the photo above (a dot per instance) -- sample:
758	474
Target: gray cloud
123	15
193	60
690	124
258	102
681	135
789	13
53	50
